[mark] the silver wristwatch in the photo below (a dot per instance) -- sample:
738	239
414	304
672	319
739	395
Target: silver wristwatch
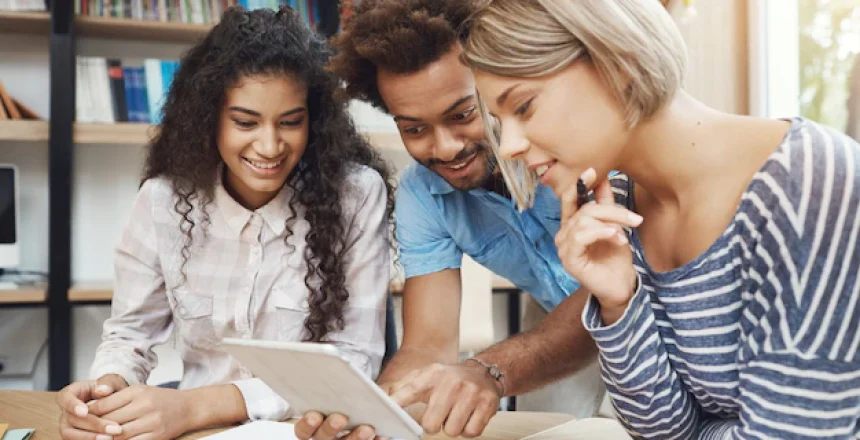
494	372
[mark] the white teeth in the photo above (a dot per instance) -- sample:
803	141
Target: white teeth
541	170
462	164
264	165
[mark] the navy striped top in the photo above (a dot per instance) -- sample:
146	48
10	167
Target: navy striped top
758	336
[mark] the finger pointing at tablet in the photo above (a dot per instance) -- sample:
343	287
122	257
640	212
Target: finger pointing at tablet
460	398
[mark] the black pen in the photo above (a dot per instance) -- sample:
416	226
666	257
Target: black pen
581	194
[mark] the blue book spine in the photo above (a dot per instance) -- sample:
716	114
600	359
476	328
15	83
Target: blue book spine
166	79
132	83
142	96
130	97
142	99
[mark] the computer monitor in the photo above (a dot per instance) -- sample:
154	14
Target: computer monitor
9	234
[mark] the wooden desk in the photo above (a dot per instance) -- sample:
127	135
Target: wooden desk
38	410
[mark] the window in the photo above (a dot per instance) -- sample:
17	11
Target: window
803	58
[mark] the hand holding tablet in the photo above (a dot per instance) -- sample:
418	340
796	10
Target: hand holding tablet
315	377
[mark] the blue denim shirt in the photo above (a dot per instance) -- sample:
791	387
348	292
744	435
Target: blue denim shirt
437	224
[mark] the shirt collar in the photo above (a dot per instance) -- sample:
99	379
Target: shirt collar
438	185
274	213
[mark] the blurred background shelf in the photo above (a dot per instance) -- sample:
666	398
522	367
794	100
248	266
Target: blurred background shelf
135	134
140	30
38	23
23	131
91	291
24	294
32	23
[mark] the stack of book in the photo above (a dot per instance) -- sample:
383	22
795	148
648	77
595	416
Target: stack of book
109	92
23	5
194	11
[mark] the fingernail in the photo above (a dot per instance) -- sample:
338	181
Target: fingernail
104	389
81	410
585	175
114	429
365	434
313	421
338	424
103	437
636	218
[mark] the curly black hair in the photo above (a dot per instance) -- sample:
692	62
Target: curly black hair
184	151
401	36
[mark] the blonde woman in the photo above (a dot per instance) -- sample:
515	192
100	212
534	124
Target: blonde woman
722	261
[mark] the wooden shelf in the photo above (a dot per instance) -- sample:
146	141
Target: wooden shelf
33	23
140	30
91	291
39	23
24	295
135	134
121	133
24	131
140	134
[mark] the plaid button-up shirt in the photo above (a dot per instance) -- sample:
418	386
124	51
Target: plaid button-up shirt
243	281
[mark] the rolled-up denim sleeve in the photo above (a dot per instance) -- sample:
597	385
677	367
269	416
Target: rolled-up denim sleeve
426	246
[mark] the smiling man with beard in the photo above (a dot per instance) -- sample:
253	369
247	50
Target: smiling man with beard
401	56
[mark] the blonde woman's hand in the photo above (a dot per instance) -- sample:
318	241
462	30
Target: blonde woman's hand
594	248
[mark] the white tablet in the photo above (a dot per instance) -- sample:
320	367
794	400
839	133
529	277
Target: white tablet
315	377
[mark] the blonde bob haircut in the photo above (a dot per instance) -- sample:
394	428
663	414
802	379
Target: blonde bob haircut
635	46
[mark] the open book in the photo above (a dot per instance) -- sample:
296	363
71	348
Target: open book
584	429
260	429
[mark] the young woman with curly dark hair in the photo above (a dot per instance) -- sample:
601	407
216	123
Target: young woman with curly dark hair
263	214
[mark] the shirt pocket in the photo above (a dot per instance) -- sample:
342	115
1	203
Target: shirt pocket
290	315
192	314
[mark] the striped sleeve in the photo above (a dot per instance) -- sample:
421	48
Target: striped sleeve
648	395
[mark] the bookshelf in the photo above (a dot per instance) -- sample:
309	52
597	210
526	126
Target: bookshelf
61	134
140	30
39	23
35	294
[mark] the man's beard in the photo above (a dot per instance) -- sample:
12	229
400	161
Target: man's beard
468	183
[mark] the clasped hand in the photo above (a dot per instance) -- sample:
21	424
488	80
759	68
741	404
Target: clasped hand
110	409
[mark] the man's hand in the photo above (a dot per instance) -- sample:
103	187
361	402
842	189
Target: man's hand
77	422
460	398
149	412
